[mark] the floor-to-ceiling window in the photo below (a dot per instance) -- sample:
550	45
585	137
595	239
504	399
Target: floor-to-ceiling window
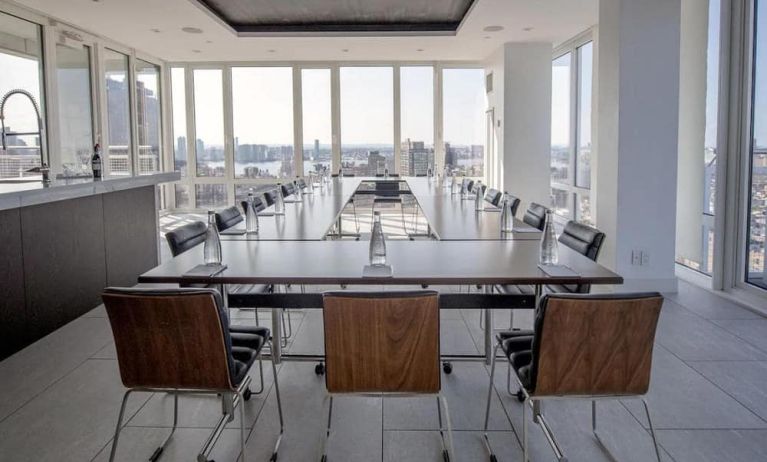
262	107
209	140
148	117
464	103
367	120
316	118
20	68
416	120
118	150
73	82
756	250
571	144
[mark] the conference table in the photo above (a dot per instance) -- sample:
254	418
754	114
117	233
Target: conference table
299	252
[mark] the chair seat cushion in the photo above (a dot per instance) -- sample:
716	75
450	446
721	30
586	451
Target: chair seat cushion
510	289
243	359
248	288
521	362
252	337
514	345
503	335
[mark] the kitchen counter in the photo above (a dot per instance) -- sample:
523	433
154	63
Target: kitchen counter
21	192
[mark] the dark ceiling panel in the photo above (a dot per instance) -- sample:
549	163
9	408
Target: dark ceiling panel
340	16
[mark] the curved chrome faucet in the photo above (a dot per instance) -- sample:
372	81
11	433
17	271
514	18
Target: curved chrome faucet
44	169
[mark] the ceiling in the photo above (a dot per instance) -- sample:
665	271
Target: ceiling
155	27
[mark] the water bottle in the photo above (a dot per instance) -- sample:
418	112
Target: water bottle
212	248
299	193
453	185
549	248
251	217
386	172
310	185
479	199
507	217
464	189
279	202
377	243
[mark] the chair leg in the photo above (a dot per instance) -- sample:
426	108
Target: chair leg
487	407
447	449
119	426
324	457
525	455
158	452
242	426
541	421
652	429
279	410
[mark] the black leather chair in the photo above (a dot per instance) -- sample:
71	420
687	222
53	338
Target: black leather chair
258	204
514	204
227	218
493	196
582	347
467	185
585	240
391	175
535	216
388	192
185	237
270	197
162	348
301	183
288	189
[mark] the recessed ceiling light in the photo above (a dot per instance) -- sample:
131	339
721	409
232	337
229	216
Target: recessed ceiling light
156	31
192	30
487	37
271	50
345	50
209	41
527	29
195	51
419	49
493	28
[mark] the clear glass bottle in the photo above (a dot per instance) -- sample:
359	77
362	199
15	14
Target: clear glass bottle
453	185
251	216
386	172
549	247
377	242
479	199
279	202
507	217
464	189
310	183
299	192
212	247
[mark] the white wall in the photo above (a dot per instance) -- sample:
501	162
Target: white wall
522	101
638	108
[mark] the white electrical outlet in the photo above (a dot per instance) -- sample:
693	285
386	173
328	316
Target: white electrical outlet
636	257
645	258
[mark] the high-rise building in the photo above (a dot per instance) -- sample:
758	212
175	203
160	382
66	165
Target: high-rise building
376	163
316	149
415	158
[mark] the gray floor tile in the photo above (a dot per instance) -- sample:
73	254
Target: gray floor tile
754	331
405	446
138	443
709	305
98	312
693	338
715	445
30	371
107	352
455	339
680	397
743	380
72	420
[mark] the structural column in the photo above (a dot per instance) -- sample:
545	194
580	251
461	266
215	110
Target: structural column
638	126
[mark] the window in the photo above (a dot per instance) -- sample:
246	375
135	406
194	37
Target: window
209	123
756	250
416	120
571	92
183	201
697	169
178	97
367	120
464	104
262	100
316	117
210	196
73	79
148	117
21	64
118	113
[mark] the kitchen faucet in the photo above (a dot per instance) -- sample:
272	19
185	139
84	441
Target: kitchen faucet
44	169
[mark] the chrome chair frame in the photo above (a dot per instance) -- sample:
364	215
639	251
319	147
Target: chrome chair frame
445	431
535	404
229	401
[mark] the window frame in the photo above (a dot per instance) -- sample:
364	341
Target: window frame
570	186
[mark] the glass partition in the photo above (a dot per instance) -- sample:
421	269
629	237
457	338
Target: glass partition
118	149
73	80
464	104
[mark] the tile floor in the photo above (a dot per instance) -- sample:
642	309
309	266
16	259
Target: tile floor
59	400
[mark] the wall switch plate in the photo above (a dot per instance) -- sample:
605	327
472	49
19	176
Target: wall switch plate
636	257
645	258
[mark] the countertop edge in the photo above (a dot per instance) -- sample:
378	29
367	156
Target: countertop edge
60	192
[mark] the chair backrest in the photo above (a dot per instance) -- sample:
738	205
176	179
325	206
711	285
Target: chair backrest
171	338
382	342
258	204
535	216
185	237
288	189
467	184
387	188
594	345
493	196
301	182
515	204
228	217
270	197
583	239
